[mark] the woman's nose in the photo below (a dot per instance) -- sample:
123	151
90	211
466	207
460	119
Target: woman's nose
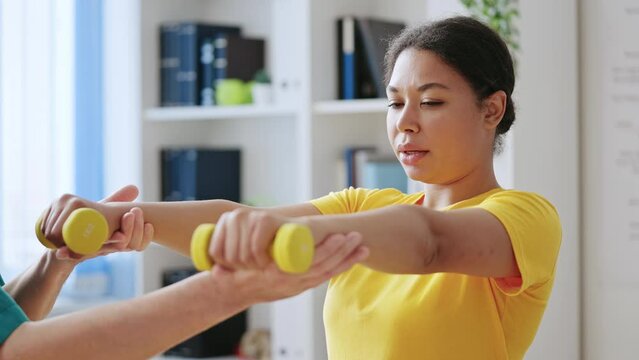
407	119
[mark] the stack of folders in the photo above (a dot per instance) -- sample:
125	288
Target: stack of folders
195	56
361	46
200	174
363	167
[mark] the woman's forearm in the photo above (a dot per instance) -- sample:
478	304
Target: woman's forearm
400	238
38	287
135	329
174	222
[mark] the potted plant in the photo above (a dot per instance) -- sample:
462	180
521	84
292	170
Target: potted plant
501	16
261	88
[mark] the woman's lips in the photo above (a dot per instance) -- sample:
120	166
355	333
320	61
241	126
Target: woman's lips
412	157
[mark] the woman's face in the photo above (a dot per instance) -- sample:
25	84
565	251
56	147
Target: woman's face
435	124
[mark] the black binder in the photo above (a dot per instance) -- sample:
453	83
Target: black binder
201	174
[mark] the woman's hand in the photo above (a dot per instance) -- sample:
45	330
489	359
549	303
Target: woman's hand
242	238
130	232
134	235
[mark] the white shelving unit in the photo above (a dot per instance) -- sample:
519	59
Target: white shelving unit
216	112
344	107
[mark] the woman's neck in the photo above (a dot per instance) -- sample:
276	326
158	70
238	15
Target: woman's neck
439	196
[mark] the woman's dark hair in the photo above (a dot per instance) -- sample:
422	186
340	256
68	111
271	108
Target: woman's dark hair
473	49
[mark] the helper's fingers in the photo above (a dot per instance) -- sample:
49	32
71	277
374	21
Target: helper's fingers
327	247
147	236
137	233
122	237
358	255
331	255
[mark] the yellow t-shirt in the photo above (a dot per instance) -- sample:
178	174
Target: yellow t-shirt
373	315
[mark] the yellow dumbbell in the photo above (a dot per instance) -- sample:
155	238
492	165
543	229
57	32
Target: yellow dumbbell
84	231
292	250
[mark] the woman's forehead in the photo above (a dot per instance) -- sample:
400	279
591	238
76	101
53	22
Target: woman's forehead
415	68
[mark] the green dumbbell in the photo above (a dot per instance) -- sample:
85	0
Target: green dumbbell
84	231
292	250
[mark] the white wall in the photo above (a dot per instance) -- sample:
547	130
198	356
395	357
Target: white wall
610	108
546	159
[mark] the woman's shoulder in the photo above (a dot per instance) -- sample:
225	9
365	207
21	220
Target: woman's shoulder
523	207
520	198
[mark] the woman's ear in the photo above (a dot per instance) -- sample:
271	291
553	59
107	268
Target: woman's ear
494	109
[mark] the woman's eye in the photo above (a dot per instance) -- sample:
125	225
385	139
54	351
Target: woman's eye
432	103
395	105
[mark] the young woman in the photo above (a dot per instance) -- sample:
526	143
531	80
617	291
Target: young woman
148	325
461	270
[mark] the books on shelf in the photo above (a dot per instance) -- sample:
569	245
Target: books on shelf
376	35
354	81
169	64
237	57
363	167
180	51
361	45
381	172
200	174
355	158
194	56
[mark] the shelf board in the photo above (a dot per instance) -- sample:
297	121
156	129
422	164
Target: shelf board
357	106
186	113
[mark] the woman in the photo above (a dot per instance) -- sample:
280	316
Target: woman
463	269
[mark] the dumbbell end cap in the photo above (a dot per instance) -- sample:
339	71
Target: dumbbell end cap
200	246
43	240
294	248
85	231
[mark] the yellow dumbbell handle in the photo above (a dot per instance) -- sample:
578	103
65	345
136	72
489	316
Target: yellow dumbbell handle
292	250
84	231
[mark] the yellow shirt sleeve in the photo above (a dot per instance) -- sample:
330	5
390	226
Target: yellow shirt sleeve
535	233
341	202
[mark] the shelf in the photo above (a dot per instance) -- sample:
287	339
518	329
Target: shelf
186	113
358	106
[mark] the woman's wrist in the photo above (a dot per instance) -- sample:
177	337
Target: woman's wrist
113	213
318	227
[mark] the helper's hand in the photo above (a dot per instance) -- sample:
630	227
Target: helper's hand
336	254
